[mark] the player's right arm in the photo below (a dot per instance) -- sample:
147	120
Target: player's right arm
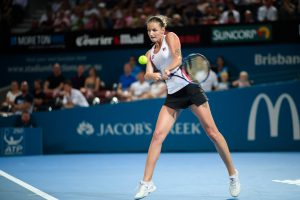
150	74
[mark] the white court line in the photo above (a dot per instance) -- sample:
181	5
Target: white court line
27	186
291	182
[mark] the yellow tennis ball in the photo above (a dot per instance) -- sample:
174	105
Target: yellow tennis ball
143	60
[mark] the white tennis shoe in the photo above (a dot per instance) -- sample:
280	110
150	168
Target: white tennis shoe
145	188
235	185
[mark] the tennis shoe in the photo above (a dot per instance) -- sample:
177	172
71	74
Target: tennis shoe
145	188
235	185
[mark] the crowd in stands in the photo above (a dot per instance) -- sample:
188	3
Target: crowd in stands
66	15
57	92
76	15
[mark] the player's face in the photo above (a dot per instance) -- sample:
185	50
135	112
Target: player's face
155	31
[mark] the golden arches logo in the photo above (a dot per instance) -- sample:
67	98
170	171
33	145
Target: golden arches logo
264	31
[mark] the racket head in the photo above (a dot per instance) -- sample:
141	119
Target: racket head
196	67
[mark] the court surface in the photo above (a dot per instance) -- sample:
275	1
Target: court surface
178	176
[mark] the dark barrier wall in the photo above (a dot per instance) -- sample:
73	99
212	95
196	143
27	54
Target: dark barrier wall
265	63
259	118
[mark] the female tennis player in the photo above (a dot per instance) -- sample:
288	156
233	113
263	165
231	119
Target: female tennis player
165	56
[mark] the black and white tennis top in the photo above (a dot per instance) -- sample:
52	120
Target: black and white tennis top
161	60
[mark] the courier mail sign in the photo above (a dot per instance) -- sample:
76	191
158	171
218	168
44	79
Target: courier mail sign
274	112
250	33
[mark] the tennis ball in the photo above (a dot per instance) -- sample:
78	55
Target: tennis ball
143	60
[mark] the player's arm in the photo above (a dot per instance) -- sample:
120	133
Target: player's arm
175	50
150	74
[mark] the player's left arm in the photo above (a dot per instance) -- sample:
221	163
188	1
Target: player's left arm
175	50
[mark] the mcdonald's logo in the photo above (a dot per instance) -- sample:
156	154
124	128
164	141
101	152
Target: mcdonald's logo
273	112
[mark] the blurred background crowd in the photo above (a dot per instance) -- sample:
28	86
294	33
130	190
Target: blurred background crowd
74	15
85	88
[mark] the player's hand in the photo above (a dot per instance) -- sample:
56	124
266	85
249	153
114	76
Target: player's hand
167	72
156	76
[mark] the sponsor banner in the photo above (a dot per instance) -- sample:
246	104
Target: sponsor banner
20	141
127	39
249	33
259	118
36	41
206	35
124	39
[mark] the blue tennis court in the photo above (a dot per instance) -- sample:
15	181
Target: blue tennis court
178	176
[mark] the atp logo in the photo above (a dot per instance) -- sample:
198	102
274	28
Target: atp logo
14	141
85	128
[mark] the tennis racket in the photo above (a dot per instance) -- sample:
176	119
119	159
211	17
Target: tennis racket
194	69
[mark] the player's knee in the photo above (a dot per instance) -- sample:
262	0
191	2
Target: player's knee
157	137
212	133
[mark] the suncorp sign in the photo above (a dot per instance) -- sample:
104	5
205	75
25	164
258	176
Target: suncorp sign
274	112
248	33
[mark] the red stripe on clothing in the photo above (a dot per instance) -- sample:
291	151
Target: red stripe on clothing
187	76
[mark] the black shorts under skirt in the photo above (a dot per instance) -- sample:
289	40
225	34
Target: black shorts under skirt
189	95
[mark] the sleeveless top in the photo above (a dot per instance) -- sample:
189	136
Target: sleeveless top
161	60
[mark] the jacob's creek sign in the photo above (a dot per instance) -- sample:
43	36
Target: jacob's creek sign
248	33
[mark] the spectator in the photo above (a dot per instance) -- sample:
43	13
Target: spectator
267	12
23	102
79	79
243	80
211	82
47	20
287	10
92	84
39	97
18	10
25	121
62	21
54	83
220	66
135	69
176	21
141	88
158	89
77	19
127	78
73	97
90	9
248	17
227	15
224	83
192	15
11	96
211	14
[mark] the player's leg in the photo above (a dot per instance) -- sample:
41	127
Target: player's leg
205	117
165	121
166	118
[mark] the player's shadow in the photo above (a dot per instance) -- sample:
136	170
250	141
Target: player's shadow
233	199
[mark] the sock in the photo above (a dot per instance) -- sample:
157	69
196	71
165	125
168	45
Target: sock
235	175
146	182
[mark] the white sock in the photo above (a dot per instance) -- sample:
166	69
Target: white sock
235	175
146	182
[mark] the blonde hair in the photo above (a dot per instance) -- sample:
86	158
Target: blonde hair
161	19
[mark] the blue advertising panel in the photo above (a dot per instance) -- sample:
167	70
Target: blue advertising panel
20	141
265	63
258	118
